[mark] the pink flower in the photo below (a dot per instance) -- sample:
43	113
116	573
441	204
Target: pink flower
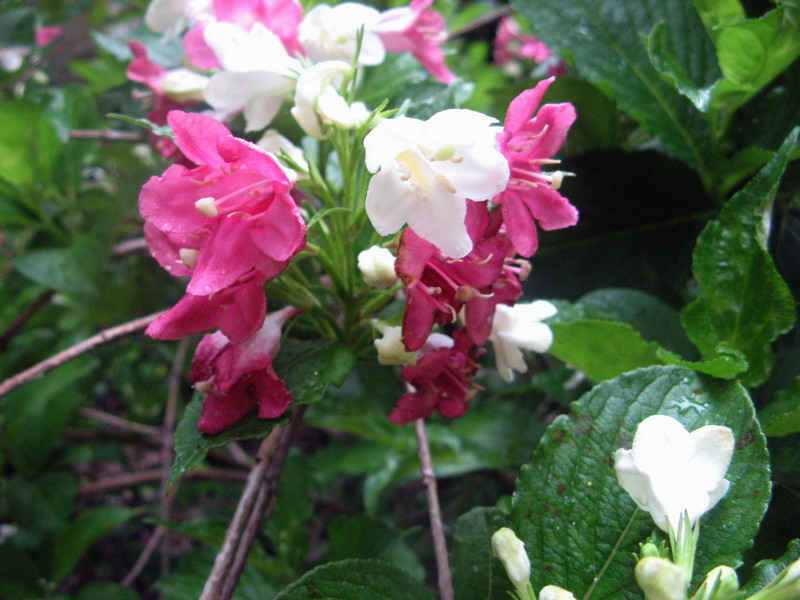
238	311
45	35
511	46
420	31
439	381
437	287
237	378
528	141
228	216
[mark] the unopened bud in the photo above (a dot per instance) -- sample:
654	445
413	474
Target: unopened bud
649	549
207	207
390	347
721	583
377	266
511	551
661	579
553	592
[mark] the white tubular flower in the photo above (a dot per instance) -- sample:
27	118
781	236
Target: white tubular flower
276	144
165	16
184	85
377	266
425	170
257	72
517	328
331	33
511	551
553	592
390	347
317	103
661	579
670	471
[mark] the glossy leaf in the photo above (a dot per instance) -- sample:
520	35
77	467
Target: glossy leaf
782	416
477	574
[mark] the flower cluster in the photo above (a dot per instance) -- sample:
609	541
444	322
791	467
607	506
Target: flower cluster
231	215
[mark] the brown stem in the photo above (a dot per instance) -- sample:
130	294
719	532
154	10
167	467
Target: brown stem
19	322
105	134
128	246
141	562
232	555
489	17
434	511
116	422
104	337
154	475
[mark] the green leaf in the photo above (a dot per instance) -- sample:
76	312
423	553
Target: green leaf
306	367
719	13
106	590
477	574
752	53
578	524
607	49
19	576
159	130
725	364
355	580
744	303
76	537
782	416
29	144
766	570
602	349
368	537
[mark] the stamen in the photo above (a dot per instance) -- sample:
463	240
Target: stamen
207	207
188	257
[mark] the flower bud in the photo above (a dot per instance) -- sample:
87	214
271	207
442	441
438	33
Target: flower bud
649	549
721	583
511	551
553	592
390	347
661	579
377	266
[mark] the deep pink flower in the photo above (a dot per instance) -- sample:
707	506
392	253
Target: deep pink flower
281	17
237	378
422	32
528	141
231	214
511	44
437	287
238	311
439	381
45	35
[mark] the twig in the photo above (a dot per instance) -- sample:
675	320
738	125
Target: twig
116	422
128	246
141	562
105	134
142	477
494	15
104	337
17	324
259	488
437	530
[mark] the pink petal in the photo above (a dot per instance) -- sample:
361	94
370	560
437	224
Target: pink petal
519	223
418	318
524	106
198	51
166	249
280	231
220	411
272	394
550	209
197	136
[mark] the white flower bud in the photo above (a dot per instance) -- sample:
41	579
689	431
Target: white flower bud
390	347
661	579
553	592
511	551
377	266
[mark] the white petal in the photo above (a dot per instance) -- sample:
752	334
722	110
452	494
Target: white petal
260	110
389	202
230	91
440	219
389	138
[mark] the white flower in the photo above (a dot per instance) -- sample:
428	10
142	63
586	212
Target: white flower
184	85
330	33
390	347
511	551
553	592
257	72
517	328
276	144
669	471
424	170
317	102
377	266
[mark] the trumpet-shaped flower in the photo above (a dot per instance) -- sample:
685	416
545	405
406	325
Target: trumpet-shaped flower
331	33
237	378
669	471
517	328
228	216
257	72
529	140
317	103
416	29
507	547
426	170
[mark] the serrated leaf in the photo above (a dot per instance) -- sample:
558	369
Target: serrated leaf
608	51
725	364
766	570
477	574
744	303
306	367
782	416
578	524
355	580
78	535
